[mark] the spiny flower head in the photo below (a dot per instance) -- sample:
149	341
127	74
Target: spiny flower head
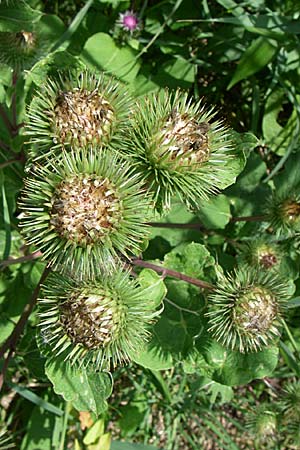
129	21
103	322
263	423
284	212
83	209
245	309
76	109
291	401
21	49
178	147
260	253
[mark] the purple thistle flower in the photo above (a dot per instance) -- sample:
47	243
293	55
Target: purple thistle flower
129	21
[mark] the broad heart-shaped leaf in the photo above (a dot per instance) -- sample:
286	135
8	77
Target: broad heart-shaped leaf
154	287
17	16
277	137
175	236
86	389
215	213
234	368
178	72
182	322
101	51
257	56
192	259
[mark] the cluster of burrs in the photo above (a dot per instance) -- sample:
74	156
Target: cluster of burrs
100	164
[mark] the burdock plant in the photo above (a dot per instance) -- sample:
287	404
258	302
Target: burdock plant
76	109
103	322
28	37
82	210
284	212
262	423
261	253
179	148
246	308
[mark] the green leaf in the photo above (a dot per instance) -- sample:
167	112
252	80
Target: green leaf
244	142
294	303
131	417
33	398
101	52
85	389
153	357
18	15
233	368
255	58
94	433
192	259
288	178
39	431
63	42
176	73
290	358
6	218
215	213
176	236
154	287
278	137
225	392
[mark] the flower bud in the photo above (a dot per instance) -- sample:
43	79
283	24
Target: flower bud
77	110
103	322
178	148
245	309
82	210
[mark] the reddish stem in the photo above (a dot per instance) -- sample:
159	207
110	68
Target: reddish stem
173	274
10	262
193	226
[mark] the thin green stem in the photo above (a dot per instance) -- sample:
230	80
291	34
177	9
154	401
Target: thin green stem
290	336
180	307
65	425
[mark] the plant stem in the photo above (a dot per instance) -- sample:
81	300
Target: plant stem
10	262
180	307
9	162
292	340
68	408
11	341
172	273
5	119
4	146
14	104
